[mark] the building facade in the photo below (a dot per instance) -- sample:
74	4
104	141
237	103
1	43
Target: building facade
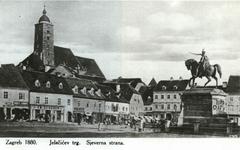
167	99
14	94
50	99
88	101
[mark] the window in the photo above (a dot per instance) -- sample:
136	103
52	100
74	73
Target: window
156	106
168	106
168	96
123	108
59	101
95	104
21	96
231	98
162	96
48	84
37	100
156	96
146	109
175	107
162	106
175	96
46	100
126	109
117	107
150	108
48	38
37	83
69	102
5	95
48	31
60	85
87	104
76	89
79	104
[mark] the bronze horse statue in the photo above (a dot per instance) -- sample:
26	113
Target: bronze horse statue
209	72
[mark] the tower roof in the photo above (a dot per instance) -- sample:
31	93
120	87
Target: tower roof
44	17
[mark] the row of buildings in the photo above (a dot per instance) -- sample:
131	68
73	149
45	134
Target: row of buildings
53	82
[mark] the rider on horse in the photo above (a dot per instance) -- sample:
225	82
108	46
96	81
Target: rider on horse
203	63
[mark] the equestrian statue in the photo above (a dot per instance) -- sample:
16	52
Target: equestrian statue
203	69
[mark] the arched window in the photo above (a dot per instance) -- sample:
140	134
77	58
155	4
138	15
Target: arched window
60	85
37	83
48	85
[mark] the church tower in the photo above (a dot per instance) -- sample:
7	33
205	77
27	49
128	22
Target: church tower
44	39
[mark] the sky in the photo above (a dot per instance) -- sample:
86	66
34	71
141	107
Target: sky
142	39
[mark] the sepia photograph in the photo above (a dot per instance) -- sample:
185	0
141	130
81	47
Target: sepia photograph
119	69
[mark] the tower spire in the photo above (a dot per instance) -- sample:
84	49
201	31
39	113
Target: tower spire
44	9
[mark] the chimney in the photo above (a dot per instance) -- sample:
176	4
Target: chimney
224	84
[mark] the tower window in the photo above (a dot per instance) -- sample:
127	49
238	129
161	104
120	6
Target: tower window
48	38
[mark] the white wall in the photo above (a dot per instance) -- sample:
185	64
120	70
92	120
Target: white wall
52	101
136	105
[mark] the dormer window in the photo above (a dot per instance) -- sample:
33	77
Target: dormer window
164	87
75	89
48	85
84	90
37	83
175	87
60	86
98	92
91	91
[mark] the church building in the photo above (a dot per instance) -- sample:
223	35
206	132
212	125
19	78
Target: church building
47	57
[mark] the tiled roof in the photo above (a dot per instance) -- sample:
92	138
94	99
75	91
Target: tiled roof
81	83
32	62
132	81
233	86
110	94
171	85
147	94
64	56
127	91
91	66
10	77
212	91
30	77
152	82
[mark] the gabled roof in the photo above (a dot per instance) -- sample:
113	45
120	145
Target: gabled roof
147	94
171	85
81	83
127	91
30	78
233	86
64	56
91	66
32	62
152	82
10	77
111	95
